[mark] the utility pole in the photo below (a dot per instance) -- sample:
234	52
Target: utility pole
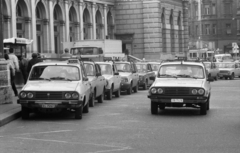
1	30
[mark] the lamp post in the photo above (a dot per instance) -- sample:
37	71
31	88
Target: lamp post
1	30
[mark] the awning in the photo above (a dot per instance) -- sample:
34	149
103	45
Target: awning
14	40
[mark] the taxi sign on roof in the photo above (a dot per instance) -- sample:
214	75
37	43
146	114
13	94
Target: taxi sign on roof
73	61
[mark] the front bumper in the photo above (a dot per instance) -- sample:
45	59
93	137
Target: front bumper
224	74
50	103
186	99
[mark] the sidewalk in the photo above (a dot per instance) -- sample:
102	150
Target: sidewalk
10	112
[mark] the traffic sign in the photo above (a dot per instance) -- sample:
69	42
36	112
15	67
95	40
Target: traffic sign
235	45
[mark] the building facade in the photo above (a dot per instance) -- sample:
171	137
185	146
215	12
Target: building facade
214	24
151	29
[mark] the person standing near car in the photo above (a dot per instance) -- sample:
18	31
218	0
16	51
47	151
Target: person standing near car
23	62
14	59
66	54
33	61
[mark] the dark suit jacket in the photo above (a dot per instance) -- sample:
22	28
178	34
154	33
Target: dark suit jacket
32	62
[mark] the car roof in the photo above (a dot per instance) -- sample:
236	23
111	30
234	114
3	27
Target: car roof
62	63
124	62
182	62
110	63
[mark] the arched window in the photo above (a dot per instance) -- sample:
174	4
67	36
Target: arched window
19	11
55	15
38	14
70	17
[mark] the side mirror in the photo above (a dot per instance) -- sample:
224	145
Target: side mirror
85	79
116	73
210	79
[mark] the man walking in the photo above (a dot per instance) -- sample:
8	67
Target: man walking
14	59
66	54
33	61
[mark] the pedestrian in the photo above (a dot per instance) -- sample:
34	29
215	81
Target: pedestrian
12	74
33	61
23	63
66	54
14	58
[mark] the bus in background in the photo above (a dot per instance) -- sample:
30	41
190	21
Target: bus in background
200	54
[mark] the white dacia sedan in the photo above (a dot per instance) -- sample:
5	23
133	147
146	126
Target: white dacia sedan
55	86
181	84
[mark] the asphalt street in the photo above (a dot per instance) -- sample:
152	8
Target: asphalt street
125	125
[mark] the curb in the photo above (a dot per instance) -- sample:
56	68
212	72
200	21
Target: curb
10	116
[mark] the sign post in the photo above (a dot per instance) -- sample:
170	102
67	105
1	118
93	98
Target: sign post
1	30
235	49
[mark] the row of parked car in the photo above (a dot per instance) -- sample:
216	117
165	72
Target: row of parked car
76	85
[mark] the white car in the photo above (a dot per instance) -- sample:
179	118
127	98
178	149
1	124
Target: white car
228	70
113	79
212	69
56	86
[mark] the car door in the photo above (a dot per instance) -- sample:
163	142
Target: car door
135	74
116	78
151	74
237	69
85	86
100	80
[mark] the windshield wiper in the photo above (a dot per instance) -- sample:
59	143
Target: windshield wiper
60	78
186	76
168	75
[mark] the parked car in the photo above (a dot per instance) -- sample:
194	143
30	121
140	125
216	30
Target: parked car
129	76
212	70
228	70
113	79
56	86
181	84
146	74
155	66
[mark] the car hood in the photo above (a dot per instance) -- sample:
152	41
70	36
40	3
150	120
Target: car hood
108	77
50	86
125	74
179	82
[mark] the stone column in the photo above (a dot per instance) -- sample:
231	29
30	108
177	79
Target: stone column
7	27
51	28
13	19
105	22
67	36
185	26
94	21
80	4
33	26
46	39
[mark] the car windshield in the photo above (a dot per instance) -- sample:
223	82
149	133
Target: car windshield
55	72
183	71
123	67
89	69
141	67
207	65
225	65
86	51
155	67
106	69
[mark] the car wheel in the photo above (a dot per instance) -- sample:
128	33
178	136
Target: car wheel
145	85
154	108
136	88
78	113
101	98
162	106
129	91
92	100
208	103
118	93
109	94
25	113
231	77
203	108
86	108
226	78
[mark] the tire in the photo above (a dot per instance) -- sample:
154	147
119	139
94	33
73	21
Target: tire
86	108
162	106
136	88
110	94
25	113
118	93
145	85
78	113
203	109
226	78
101	97
92	100
129	91
208	103
231	77
154	108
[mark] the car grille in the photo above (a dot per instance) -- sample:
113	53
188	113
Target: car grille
177	91
224	71
49	95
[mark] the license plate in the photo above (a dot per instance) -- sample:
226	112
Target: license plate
176	100
48	105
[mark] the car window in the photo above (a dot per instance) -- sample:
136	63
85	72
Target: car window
142	67
123	67
55	72
90	69
106	69
181	71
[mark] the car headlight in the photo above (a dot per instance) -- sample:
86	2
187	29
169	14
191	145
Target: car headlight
67	95
124	79
160	90
23	95
153	90
30	95
200	91
194	91
75	95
